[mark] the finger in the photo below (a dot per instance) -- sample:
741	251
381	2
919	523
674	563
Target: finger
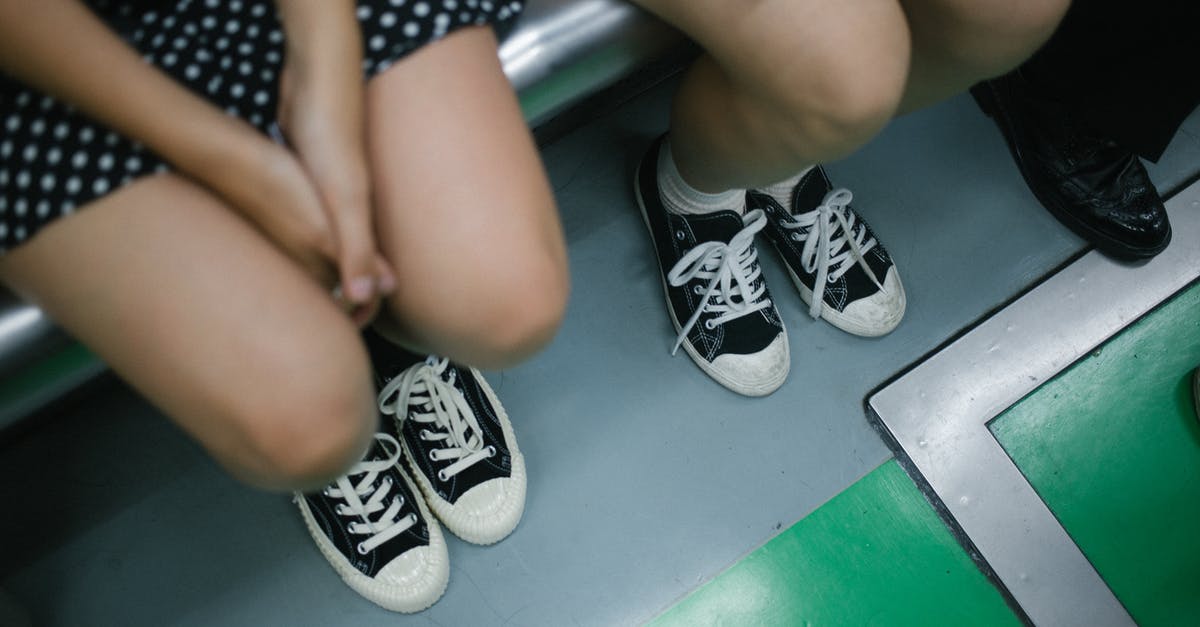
322	272
319	258
356	259
318	266
387	277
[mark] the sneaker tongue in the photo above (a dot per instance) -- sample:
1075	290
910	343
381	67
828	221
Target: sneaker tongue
720	226
810	191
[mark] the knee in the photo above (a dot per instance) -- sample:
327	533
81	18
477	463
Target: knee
310	429
991	38
840	115
827	107
516	322
493	317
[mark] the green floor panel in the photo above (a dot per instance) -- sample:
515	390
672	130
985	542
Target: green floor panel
1113	447
877	554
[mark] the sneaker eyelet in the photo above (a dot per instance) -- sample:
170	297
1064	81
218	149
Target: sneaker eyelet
697	290
433	455
413	517
360	548
340	510
326	493
424	435
491	451
708	324
679	235
442	476
795	237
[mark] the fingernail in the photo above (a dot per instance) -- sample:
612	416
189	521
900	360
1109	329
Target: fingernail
359	290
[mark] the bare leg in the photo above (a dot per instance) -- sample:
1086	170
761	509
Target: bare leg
209	321
785	83
789	83
464	211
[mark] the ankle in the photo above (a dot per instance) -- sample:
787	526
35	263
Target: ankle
679	197
783	190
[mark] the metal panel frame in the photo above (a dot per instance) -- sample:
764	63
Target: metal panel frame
938	415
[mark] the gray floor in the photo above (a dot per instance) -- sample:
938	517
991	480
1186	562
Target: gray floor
646	479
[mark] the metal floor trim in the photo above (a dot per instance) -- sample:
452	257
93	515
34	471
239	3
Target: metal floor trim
938	413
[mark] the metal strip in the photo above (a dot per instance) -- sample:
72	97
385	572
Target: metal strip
938	415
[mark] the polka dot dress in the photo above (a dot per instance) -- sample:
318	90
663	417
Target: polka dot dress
54	160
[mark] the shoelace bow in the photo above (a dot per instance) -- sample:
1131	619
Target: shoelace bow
387	524
832	240
731	270
432	400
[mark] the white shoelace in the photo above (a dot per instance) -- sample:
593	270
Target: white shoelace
436	402
731	270
387	525
832	240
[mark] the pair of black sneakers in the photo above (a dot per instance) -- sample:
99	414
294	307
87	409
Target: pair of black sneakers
717	297
445	450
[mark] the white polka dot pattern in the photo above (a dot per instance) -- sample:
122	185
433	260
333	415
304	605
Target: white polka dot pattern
53	159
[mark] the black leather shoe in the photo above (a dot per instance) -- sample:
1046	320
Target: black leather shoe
1092	185
1196	391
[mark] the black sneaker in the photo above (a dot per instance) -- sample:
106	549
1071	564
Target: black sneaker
459	443
842	271
716	295
373	527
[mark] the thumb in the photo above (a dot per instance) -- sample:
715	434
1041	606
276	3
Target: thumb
357	264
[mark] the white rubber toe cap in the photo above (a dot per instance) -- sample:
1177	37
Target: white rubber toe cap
757	374
488	512
411	582
875	315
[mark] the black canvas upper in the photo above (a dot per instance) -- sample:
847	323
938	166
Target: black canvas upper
673	236
335	526
389	362
494	467
808	194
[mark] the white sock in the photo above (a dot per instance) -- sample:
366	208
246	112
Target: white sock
782	191
683	199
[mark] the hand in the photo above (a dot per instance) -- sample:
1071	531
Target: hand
269	185
320	114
